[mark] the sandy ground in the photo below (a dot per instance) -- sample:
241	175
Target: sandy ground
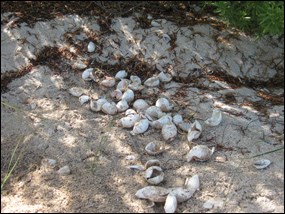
38	111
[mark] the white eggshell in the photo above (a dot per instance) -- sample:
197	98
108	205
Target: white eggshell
135	79
154	112
129	96
154	24
121	74
158	124
108	82
140	104
182	194
163	104
154	175
195	131
262	164
200	153
123	85
215	119
152	82
76	91
154	148
177	119
153	193
109	108
91	47
88	74
83	99
116	94
170	203
169	132
129	121
97	105
140	127
192	183
184	126
122	105
130	111
164	77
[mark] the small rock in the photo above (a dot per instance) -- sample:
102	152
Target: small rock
64	170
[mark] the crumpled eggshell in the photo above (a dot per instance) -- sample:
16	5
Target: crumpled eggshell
91	47
122	105
108	82
97	105
163	104
169	132
140	104
88	74
76	91
170	203
109	108
154	175
121	74
130	111
158	124
123	85
116	94
195	131
83	99
136	86
129	96
140	127
129	121
153	193
200	153
215	119
152	82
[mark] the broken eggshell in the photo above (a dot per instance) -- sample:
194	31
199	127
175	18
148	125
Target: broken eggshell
88	74
184	126
215	119
153	162
200	153
129	121
140	104
164	77
181	193
97	105
153	193
158	124
116	94
109	108
83	99
163	104
135	79
262	164
76	91
123	85
108	82
192	183
154	148
170	203
154	175
121	74
154	112
140	127
129	96
122	105
152	82
177	119
195	131
169	132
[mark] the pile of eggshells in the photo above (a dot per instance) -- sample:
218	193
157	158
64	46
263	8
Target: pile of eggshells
139	118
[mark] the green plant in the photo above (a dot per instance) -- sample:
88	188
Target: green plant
261	18
12	165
